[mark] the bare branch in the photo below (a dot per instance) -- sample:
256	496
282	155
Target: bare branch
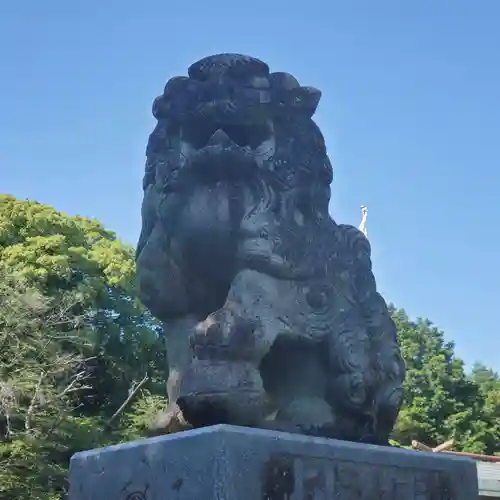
7	402
29	414
60	419
133	391
72	387
444	446
416	445
8	429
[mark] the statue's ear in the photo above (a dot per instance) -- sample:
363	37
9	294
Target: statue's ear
307	100
160	108
288	95
300	100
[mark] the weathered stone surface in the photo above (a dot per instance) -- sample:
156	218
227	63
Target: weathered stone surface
236	463
270	308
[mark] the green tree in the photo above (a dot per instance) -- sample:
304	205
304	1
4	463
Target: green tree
78	353
485	377
441	401
489	385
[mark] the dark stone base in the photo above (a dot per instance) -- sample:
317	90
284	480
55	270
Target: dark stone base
237	463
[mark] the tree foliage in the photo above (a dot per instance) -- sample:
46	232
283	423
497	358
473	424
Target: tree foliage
74	344
441	400
82	364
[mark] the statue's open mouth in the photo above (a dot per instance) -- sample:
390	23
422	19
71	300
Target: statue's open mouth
214	151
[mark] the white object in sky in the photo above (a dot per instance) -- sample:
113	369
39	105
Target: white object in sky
362	226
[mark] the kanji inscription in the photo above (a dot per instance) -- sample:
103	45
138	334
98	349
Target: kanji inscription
287	477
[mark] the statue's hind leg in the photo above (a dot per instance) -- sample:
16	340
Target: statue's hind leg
178	334
350	378
164	290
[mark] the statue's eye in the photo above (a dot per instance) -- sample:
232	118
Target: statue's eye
317	297
198	132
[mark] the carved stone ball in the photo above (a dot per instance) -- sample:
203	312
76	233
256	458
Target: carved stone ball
222	391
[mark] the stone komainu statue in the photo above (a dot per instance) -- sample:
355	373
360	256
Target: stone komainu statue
270	308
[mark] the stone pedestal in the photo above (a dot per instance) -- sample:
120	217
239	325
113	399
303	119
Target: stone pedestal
237	463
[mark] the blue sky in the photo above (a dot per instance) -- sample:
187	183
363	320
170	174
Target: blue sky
410	113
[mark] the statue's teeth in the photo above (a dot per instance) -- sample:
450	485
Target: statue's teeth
219	138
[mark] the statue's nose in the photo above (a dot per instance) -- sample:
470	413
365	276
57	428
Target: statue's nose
219	138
